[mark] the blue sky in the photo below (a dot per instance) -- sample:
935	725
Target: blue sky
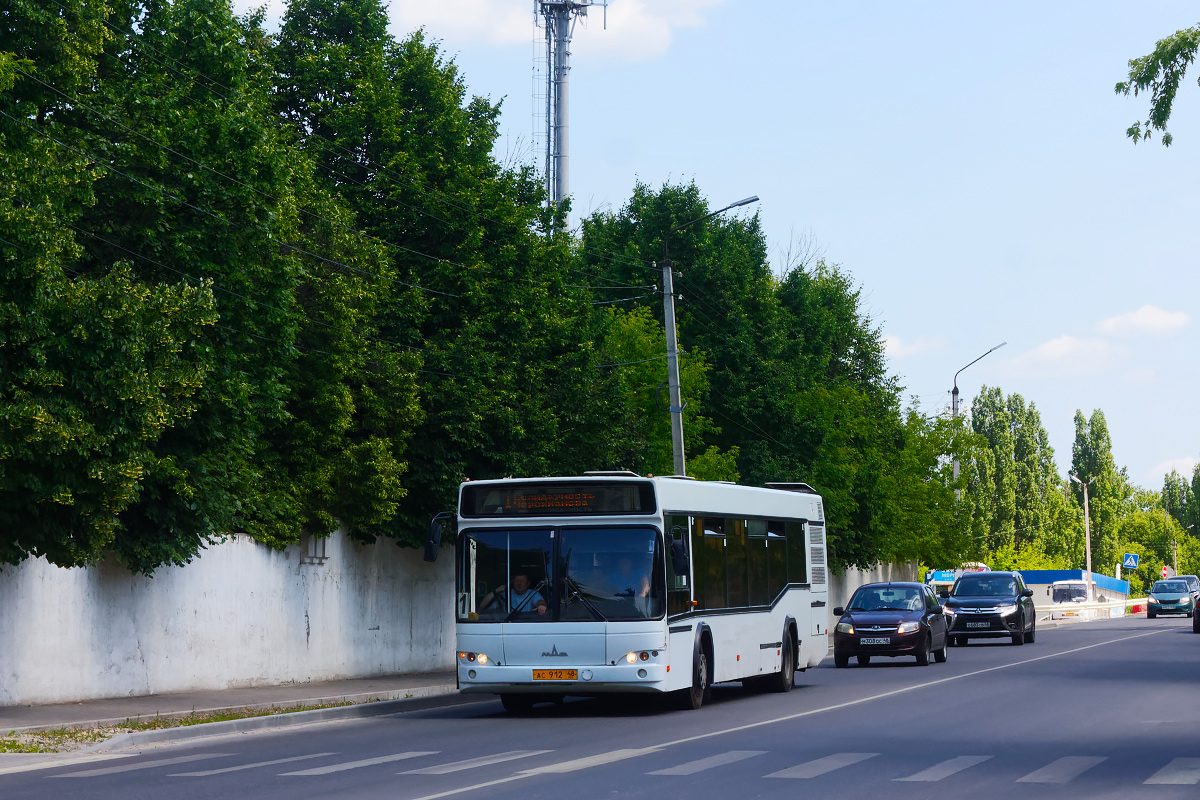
966	163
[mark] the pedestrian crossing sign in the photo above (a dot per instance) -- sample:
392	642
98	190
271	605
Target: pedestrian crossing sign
1131	561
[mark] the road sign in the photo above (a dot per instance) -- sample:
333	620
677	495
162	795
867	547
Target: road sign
1131	560
1164	570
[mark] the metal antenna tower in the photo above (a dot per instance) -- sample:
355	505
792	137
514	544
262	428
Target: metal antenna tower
557	18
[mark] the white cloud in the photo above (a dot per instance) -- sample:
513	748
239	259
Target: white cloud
1146	320
1066	355
898	348
1183	466
635	30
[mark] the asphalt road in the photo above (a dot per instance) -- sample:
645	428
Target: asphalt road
1104	709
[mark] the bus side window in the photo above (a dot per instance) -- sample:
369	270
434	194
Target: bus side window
777	558
708	554
736	563
758	559
797	552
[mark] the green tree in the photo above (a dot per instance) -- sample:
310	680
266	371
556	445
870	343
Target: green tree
1160	74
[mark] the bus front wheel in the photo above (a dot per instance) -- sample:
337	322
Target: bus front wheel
701	690
517	703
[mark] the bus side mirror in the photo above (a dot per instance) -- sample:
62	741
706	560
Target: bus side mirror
434	540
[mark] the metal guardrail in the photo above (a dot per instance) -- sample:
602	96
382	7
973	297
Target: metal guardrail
1069	611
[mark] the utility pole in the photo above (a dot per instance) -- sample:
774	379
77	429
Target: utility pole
1087	528
674	391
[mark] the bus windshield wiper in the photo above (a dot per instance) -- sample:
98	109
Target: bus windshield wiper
528	596
574	589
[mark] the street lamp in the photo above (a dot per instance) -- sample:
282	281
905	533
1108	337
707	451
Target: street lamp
954	397
676	395
1087	528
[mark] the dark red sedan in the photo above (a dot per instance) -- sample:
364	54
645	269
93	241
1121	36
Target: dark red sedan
890	619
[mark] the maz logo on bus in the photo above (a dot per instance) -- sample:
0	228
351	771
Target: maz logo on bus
554	652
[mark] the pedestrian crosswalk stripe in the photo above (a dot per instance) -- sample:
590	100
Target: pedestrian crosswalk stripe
471	763
811	769
161	762
946	768
692	767
366	762
1063	770
1181	771
240	767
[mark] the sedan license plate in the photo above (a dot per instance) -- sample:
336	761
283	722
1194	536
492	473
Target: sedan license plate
979	624
555	674
875	640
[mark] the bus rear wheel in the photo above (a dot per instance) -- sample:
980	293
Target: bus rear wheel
782	681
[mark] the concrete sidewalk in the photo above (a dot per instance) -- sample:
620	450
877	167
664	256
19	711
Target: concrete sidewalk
115	711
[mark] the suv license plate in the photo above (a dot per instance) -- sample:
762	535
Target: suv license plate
554	674
979	624
875	640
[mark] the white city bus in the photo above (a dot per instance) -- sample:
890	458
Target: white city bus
612	582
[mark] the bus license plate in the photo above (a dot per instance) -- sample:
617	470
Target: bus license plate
555	674
979	624
875	640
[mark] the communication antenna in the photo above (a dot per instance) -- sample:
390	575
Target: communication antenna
552	70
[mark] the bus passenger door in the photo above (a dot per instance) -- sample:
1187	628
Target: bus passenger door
679	572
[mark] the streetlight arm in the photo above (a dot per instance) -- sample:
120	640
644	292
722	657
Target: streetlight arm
989	352
744	202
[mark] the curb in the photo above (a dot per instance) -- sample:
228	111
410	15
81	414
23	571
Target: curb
377	705
415	692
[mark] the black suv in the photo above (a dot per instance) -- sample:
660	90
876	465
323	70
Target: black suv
990	605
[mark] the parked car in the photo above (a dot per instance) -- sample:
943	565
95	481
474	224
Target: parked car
1171	596
990	605
890	619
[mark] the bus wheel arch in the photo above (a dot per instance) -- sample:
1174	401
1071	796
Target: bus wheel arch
703	668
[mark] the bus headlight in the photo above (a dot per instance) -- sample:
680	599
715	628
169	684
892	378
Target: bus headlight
631	657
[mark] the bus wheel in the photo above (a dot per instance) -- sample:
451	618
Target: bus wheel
782	681
694	697
517	703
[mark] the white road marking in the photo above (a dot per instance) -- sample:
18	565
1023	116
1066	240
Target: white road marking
577	764
161	762
240	767
366	762
1181	771
811	769
945	769
52	762
810	712
1062	771
692	767
471	763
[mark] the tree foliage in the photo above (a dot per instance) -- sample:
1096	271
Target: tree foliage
1160	74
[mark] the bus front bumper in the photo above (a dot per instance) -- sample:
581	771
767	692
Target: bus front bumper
601	679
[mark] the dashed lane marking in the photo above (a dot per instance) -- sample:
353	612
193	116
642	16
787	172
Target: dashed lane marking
945	769
811	769
1063	770
240	767
1181	772
160	762
472	763
366	762
699	765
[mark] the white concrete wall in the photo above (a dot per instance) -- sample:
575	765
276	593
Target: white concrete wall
842	585
240	614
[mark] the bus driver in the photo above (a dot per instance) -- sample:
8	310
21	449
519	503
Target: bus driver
521	598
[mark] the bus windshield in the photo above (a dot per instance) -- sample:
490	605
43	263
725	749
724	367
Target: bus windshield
1069	593
592	573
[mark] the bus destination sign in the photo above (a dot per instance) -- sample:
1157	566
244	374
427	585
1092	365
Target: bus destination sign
558	498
